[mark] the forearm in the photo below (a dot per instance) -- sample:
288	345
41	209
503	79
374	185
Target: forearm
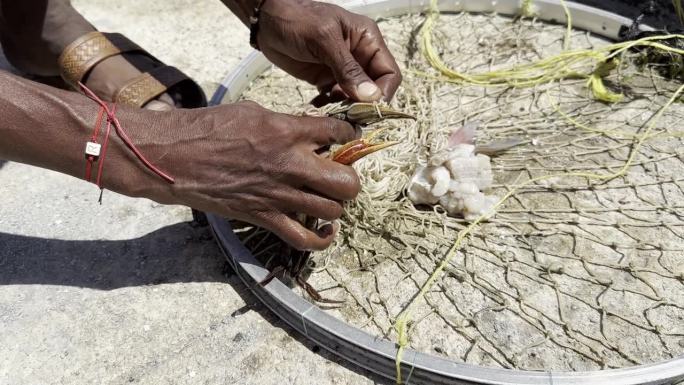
240	161
47	127
243	9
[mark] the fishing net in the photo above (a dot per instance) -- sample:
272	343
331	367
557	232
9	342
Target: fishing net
579	271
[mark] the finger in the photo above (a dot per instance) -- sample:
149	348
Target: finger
330	227
311	204
325	131
372	53
296	235
349	74
331	179
389	84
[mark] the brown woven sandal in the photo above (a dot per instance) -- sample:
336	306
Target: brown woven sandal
79	58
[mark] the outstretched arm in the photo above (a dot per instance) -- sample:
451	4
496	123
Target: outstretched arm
240	160
341	53
48	127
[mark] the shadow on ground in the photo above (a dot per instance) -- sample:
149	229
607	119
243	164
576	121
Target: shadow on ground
177	253
2	163
182	252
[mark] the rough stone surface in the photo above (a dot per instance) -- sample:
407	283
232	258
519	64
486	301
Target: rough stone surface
130	292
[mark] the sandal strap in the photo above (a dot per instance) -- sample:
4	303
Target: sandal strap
149	85
79	57
84	53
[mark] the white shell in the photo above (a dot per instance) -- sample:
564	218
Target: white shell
440	178
463	168
462	151
474	203
484	162
419	188
455	178
440	158
464	188
452	204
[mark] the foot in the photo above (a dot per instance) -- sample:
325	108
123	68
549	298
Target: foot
108	76
33	38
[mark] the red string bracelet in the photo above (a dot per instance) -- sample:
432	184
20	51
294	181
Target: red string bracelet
105	144
92	147
112	120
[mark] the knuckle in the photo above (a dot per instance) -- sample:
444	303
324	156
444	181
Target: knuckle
351	69
267	220
399	77
368	22
347	131
334	210
278	129
369	27
339	131
328	29
283	129
247	112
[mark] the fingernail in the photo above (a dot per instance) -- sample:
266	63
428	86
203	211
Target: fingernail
368	90
326	230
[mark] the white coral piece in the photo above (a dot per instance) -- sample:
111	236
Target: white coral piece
420	187
455	178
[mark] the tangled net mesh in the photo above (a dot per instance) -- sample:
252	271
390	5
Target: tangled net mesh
572	273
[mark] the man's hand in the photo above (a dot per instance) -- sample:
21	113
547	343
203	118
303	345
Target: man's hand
341	53
239	160
248	163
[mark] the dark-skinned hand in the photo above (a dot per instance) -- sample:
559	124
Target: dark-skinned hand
245	162
262	167
343	54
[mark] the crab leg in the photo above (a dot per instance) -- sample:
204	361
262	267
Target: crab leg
357	113
357	149
313	293
278	271
365	113
369	113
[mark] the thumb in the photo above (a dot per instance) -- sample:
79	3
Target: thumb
350	75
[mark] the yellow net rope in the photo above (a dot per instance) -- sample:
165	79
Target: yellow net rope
679	9
567	65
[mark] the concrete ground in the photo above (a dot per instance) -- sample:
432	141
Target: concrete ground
131	291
